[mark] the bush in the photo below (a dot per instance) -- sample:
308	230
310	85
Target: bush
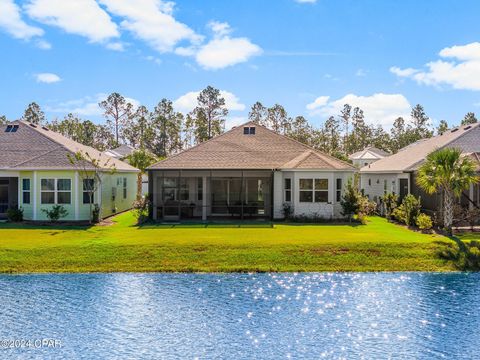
408	210
350	199
366	207
390	202
140	209
287	210
95	214
424	222
55	213
15	214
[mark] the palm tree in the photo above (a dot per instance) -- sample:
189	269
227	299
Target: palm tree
141	159
448	171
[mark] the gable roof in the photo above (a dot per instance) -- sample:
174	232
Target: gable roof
411	157
369	153
263	150
120	151
38	148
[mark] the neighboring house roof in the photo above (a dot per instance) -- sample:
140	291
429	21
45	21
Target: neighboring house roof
411	157
263	150
35	147
121	151
476	160
369	153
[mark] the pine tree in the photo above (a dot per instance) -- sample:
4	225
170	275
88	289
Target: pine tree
209	115
442	127
118	112
258	114
469	119
34	114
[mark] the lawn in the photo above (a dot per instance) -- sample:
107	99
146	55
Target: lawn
123	246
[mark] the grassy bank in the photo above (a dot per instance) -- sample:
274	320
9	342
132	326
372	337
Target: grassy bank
378	246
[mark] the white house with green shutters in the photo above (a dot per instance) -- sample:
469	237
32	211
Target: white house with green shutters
36	174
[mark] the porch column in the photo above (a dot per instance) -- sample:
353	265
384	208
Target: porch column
34	193
470	195
204	198
77	195
19	191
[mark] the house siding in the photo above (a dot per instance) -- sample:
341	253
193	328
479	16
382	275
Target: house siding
376	187
114	183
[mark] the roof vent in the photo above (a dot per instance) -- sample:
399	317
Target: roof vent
32	125
468	127
453	130
45	128
249	130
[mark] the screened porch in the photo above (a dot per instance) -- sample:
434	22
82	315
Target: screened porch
208	195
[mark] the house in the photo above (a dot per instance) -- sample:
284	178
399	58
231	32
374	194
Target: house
367	156
35	174
249	172
397	173
121	152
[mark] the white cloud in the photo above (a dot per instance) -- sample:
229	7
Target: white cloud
47	78
306	1
85	18
86	106
318	102
223	51
361	73
153	22
115	46
188	101
11	22
43	44
461	71
235	121
379	109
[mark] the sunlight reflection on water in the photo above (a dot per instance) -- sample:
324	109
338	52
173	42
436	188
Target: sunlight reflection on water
312	315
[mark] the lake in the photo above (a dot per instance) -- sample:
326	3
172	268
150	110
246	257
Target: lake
240	316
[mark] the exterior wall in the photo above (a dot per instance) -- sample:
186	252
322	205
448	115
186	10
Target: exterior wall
77	211
113	200
330	209
359	163
373	184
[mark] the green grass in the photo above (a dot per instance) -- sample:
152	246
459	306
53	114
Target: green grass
377	246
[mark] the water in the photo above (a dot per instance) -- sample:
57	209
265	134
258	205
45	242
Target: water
236	316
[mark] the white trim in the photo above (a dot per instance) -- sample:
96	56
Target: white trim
20	190
34	195
7	173
77	195
204	198
99	198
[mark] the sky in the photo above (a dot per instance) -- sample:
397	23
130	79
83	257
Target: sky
309	56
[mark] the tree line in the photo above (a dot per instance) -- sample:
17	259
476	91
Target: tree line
164	131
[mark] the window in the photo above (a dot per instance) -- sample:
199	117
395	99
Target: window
26	191
88	188
385	186
369	182
321	190
47	191
338	190
56	191
306	190
313	190
288	190
124	187
199	189
64	191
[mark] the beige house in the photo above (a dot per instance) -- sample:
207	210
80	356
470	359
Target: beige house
397	173
249	172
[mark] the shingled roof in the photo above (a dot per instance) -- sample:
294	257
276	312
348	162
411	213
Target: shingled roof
369	153
264	150
411	157
32	147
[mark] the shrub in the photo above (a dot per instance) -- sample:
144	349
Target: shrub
140	209
408	210
424	222
365	206
96	213
287	210
15	214
362	218
350	199
55	213
390	202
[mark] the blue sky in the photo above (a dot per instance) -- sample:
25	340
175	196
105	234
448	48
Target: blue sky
310	56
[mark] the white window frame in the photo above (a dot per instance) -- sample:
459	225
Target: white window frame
29	191
287	190
124	188
314	190
55	191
